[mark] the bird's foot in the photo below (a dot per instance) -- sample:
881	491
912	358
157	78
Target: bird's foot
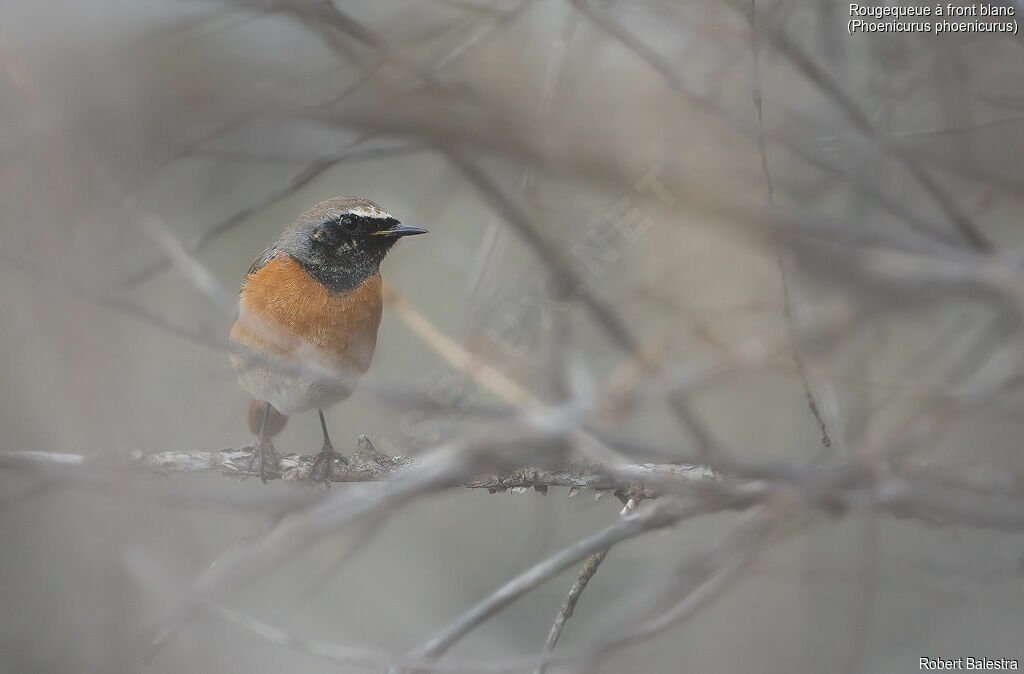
323	465
264	456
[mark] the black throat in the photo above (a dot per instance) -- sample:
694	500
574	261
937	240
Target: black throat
342	271
338	278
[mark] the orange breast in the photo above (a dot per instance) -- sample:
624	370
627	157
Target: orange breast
286	312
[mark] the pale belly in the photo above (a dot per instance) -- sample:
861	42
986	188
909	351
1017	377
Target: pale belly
290	394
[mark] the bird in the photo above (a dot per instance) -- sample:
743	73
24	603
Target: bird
311	300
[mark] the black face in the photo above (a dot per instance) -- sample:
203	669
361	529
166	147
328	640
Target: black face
351	226
345	250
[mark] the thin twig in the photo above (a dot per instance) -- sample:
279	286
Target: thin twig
821	79
297	182
701	579
715	111
660	515
486	375
570	284
787	295
575	592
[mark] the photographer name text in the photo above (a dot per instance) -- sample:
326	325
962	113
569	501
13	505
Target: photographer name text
975	664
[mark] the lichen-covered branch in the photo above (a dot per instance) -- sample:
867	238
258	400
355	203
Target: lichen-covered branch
369	465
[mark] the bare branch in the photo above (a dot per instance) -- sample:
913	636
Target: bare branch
297	182
700	578
784	262
662	514
575	592
368	465
817	75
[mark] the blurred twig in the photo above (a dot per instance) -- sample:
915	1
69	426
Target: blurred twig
575	592
787	294
827	84
570	284
303	177
662	514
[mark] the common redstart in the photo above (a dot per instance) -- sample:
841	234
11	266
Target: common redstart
314	295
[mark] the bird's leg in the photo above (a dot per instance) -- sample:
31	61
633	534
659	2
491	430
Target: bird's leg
263	451
321	471
328	447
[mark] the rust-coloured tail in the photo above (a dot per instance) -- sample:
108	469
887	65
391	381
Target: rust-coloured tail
275	420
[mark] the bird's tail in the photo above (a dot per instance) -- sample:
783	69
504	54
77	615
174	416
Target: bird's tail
275	420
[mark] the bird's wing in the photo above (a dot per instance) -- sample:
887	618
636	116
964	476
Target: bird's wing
268	254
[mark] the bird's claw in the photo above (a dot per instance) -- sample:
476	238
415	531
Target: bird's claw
321	472
263	456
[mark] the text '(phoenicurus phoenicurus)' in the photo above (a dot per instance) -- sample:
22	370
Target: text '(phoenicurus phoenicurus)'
312	297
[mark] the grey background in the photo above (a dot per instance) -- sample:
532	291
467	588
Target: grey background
194	111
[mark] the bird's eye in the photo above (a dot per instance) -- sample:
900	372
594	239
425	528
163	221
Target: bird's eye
349	224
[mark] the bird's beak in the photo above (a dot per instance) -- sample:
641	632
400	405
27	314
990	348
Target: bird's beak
401	230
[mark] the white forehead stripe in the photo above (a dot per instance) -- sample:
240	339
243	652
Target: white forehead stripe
369	212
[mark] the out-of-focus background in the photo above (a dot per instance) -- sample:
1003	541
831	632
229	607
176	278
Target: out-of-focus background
778	212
